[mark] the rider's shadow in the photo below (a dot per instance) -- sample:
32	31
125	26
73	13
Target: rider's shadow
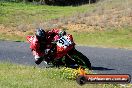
101	68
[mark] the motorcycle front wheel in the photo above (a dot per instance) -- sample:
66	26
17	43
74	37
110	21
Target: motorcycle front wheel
80	59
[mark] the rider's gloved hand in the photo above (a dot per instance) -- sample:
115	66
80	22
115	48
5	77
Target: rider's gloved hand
62	33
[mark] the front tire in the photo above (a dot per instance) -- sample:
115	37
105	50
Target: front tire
80	59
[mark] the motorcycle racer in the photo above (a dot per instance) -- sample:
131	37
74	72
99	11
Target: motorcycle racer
43	40
56	48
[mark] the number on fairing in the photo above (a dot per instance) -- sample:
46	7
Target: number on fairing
63	41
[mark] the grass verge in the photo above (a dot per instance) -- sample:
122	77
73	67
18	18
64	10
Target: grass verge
121	38
12	37
19	76
114	38
16	14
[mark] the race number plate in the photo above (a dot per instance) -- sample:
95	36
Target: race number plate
64	41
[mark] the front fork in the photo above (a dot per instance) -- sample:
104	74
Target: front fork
69	60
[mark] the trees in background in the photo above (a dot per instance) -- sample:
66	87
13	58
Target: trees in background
56	2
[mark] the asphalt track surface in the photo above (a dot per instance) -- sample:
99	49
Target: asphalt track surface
103	60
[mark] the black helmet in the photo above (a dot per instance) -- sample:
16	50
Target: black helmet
40	33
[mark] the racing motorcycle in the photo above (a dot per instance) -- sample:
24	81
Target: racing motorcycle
63	52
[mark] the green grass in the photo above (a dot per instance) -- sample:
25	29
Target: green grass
19	76
109	38
121	38
12	37
15	14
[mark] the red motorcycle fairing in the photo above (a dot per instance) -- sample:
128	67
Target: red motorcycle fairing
64	45
62	52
